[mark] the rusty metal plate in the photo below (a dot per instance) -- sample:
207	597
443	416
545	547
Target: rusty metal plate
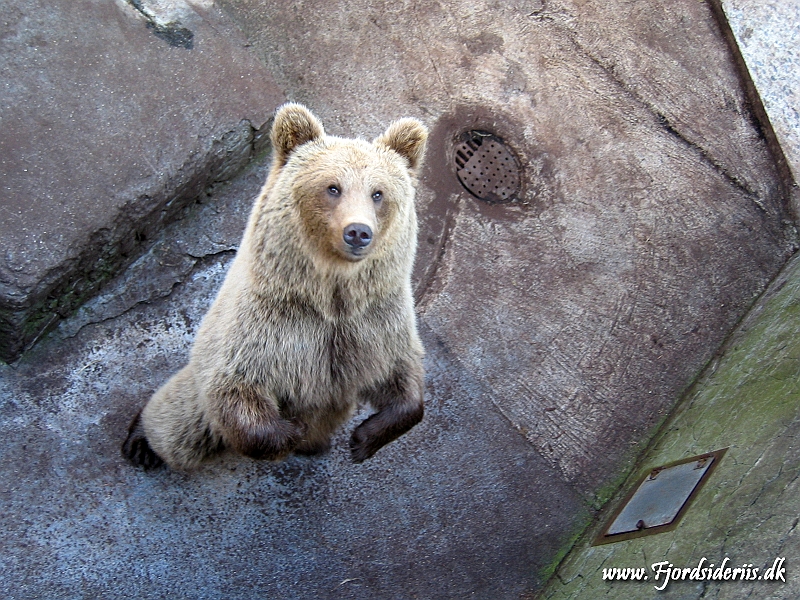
487	167
660	498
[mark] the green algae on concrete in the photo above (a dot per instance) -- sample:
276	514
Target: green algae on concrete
748	401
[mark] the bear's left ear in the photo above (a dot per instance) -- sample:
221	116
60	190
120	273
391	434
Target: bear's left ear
294	126
407	137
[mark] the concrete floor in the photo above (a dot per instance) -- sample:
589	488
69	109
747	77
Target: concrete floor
561	329
749	402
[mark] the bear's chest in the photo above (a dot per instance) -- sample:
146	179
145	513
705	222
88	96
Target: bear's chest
314	357
358	346
354	353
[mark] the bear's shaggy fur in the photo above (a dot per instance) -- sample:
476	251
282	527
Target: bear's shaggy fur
315	314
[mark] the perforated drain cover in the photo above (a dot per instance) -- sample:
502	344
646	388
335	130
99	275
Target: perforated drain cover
486	166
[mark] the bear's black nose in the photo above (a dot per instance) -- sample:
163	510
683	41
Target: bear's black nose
357	235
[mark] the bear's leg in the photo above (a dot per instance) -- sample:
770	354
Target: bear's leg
172	427
398	402
251	423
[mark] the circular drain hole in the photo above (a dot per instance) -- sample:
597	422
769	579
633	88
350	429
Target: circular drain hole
487	167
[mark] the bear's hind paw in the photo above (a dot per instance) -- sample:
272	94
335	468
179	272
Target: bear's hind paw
360	447
137	449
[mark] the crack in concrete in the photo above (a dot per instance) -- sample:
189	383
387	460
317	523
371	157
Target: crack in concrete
104	317
71	288
765	484
670	128
794	526
426	46
662	119
176	251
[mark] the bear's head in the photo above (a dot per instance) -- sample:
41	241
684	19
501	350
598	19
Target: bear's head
353	199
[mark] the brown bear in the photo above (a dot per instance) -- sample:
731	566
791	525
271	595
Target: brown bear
315	314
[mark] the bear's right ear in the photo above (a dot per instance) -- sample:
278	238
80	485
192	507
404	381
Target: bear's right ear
407	137
294	126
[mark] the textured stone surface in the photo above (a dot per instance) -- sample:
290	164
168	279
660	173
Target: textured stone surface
109	125
749	402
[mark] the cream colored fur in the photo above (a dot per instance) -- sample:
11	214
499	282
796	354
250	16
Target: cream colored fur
302	330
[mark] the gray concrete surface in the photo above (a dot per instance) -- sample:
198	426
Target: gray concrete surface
110	123
748	401
561	328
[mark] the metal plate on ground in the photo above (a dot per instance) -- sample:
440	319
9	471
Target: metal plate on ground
660	498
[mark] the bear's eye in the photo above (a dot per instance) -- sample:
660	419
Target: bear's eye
377	196
334	191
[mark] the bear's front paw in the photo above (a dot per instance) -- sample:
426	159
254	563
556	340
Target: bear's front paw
137	449
381	428
271	441
359	445
365	440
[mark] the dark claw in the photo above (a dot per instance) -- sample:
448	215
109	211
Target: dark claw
137	449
